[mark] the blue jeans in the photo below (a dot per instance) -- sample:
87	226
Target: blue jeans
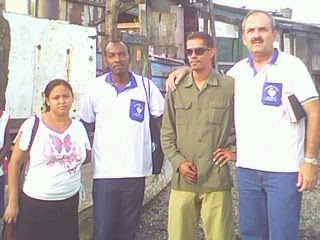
116	207
269	205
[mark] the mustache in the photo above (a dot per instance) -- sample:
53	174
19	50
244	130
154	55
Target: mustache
256	40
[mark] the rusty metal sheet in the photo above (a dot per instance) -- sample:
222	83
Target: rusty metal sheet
42	50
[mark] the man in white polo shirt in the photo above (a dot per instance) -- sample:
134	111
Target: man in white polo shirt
117	104
276	163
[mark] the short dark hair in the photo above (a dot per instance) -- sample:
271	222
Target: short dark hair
50	86
272	21
117	40
204	37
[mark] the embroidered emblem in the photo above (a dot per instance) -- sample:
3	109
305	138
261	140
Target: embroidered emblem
272	93
137	110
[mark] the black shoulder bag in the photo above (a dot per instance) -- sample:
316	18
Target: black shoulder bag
155	125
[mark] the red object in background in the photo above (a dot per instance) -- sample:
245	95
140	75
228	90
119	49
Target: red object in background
5	165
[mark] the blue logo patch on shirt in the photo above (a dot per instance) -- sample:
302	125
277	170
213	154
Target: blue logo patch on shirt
272	93
137	110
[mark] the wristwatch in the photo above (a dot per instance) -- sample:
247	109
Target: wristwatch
313	161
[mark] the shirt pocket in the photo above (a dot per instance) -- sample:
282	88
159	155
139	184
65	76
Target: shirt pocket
217	111
183	111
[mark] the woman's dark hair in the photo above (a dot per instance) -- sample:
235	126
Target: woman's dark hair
50	86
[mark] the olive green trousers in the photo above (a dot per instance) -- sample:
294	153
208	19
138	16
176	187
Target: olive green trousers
214	208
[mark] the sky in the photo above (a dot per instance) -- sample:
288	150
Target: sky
307	11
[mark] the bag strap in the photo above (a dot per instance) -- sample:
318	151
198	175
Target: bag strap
33	134
147	95
34	131
27	160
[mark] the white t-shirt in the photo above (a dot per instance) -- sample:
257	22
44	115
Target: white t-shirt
55	160
122	144
266	139
3	124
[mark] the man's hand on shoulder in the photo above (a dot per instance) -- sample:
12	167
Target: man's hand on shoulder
176	76
188	171
308	175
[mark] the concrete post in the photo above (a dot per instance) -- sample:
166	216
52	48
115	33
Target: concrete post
5	41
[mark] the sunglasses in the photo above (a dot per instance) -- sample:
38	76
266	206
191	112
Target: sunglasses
198	51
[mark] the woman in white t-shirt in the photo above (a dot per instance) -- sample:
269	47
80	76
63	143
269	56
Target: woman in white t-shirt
47	207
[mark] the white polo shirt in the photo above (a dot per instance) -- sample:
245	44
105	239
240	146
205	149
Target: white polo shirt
4	119
266	139
122	143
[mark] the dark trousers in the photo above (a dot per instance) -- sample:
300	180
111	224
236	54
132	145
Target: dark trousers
116	207
2	179
48	220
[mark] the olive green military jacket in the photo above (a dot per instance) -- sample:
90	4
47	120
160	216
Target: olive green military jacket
195	123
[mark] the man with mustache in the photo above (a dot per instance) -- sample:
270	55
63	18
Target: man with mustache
276	156
197	120
119	104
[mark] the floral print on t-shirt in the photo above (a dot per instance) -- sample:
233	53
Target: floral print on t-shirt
63	151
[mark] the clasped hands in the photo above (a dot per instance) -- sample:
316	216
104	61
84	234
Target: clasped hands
221	156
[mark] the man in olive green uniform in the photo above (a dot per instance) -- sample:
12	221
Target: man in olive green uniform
197	120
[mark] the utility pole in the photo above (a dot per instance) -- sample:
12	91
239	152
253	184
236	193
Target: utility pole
111	19
146	68
5	42
213	32
110	24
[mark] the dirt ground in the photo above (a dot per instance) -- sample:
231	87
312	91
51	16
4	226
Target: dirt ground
153	221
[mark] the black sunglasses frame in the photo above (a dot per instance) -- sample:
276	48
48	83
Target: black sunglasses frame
198	51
